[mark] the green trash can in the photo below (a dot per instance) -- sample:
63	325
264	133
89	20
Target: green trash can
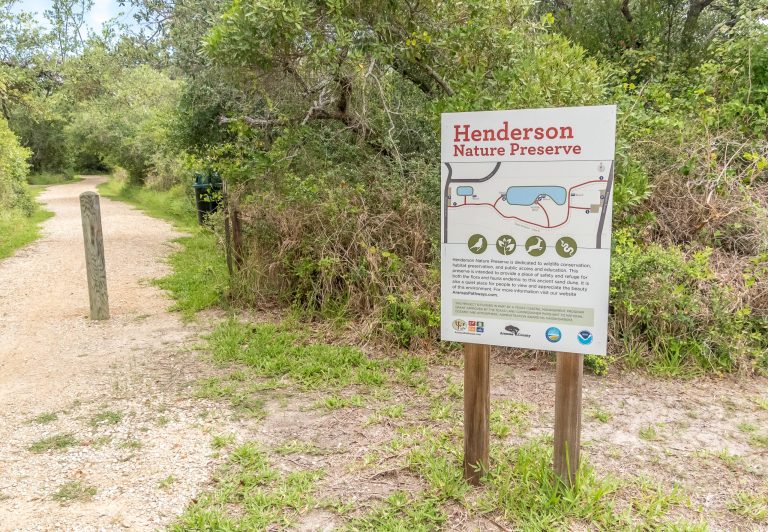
207	188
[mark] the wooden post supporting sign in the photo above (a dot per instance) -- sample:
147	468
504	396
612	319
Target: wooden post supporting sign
90	212
477	410
570	368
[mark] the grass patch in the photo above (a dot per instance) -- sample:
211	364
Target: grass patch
74	491
167	482
200	278
274	351
761	402
49	178
601	415
649	433
759	440
250	495
507	416
243	397
750	505
18	230
44	418
403	512
222	440
107	417
176	205
131	444
53	443
337	402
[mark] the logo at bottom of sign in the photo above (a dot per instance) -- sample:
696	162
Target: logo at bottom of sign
585	337
469	326
553	334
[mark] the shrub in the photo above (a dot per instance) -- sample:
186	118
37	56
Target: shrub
668	300
13	172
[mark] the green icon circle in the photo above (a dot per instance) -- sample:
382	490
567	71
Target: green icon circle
566	247
477	244
535	246
506	245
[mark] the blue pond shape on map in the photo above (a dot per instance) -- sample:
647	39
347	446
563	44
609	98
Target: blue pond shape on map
529	195
465	191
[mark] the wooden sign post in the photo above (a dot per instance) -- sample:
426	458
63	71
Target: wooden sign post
525	253
477	410
570	368
90	212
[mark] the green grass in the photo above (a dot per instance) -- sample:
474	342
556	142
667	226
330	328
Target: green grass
107	417
74	491
48	178
220	441
44	418
199	279
250	495
19	230
403	512
337	402
508	416
275	351
53	443
759	440
167	482
131	444
175	205
648	433
753	506
243	396
601	415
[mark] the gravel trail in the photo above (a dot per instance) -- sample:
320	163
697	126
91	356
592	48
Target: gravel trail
134	447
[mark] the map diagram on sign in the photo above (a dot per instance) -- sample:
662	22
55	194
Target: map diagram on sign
562	204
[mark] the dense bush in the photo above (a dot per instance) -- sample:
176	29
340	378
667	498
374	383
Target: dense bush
13	171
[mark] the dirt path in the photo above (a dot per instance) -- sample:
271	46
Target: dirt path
108	391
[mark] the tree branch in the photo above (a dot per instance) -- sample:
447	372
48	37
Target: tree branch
438	79
625	10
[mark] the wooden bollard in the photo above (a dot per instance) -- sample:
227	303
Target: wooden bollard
570	369
477	410
94	255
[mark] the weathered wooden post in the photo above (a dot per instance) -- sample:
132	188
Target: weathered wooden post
94	255
477	410
570	369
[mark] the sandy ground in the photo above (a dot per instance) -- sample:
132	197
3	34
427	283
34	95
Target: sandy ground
129	369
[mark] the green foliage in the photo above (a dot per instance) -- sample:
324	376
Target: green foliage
667	299
598	364
129	124
18	229
13	172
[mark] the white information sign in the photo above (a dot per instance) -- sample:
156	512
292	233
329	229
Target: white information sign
526	227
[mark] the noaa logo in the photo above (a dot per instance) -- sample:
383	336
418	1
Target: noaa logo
585	337
459	325
554	334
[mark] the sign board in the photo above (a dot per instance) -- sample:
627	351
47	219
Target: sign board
526	227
